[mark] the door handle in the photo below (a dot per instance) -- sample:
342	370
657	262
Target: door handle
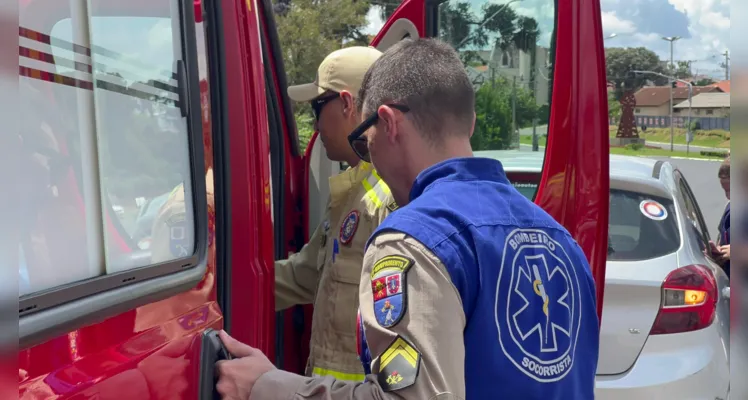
212	351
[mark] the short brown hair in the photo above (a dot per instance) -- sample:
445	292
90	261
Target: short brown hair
724	169
427	76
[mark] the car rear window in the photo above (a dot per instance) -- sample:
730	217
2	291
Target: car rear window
637	229
641	227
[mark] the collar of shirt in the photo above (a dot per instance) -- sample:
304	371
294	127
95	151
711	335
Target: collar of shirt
341	184
458	169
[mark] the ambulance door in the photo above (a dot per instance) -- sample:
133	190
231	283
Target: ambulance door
116	236
306	168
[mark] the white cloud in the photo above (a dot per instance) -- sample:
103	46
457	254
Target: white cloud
613	24
707	22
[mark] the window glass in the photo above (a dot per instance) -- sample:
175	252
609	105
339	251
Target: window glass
634	236
507	49
105	145
694	229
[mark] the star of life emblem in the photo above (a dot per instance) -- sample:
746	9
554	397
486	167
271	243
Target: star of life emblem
538	308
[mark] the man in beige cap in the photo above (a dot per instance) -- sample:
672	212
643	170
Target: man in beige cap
327	270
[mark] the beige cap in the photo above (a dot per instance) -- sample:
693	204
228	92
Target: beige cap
342	69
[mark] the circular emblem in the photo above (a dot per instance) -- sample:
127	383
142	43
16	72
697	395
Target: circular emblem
349	226
653	210
538	309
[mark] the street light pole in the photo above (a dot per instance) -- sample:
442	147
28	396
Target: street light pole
690	95
671	39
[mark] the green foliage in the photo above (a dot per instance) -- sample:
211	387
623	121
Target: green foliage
311	29
614	107
305	128
634	146
620	62
704	82
493	110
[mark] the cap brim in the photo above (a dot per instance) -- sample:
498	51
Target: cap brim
306	92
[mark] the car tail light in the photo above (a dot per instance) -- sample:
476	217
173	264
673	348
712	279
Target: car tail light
689	301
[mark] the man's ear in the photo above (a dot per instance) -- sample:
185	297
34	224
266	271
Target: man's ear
388	121
349	104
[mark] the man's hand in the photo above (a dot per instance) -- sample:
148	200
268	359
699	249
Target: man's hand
724	253
237	377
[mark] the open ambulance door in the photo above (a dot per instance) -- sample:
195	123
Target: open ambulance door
307	172
116	115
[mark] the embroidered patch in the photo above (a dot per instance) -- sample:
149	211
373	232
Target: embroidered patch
653	210
398	365
389	289
538	307
392	206
349	226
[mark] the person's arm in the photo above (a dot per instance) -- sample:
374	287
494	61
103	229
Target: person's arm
419	356
296	278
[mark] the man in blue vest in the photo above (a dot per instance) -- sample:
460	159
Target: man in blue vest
469	291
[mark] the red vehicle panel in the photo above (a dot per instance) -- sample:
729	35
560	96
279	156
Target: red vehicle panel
151	344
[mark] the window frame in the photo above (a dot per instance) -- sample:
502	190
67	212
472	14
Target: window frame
684	190
46	314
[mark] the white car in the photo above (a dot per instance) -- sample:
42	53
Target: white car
666	311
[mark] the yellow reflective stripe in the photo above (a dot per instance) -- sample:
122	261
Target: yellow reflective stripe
380	182
371	193
338	375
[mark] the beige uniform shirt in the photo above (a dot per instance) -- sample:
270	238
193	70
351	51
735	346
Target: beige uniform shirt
327	270
421	357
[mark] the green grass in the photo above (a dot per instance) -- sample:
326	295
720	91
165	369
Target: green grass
643	152
716	138
647	152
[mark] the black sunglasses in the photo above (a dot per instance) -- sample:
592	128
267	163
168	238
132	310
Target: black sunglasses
358	143
319	103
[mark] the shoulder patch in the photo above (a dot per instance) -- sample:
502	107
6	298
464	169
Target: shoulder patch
349	226
392	206
398	365
388	286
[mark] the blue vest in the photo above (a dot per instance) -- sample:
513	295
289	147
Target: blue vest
724	234
532	329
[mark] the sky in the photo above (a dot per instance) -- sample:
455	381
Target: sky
703	25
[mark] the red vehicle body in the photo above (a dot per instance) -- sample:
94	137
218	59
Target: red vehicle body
148	343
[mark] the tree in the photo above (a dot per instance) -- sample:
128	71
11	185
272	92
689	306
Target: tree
614	107
704	82
493	110
311	29
621	62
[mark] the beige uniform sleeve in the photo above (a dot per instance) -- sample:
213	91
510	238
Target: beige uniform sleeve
296	278
421	356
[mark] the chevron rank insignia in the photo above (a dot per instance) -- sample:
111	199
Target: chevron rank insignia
398	365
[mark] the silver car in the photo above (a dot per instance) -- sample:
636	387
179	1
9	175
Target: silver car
665	327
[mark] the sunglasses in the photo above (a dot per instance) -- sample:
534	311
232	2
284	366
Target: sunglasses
318	104
357	140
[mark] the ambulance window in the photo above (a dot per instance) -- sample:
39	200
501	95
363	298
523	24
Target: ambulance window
506	48
106	144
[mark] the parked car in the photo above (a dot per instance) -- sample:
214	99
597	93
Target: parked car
665	326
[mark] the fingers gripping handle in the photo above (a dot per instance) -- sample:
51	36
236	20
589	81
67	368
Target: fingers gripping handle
212	351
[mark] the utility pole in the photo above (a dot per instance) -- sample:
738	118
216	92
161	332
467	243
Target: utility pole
672	40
